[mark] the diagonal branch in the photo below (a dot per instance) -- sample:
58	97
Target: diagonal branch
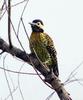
30	58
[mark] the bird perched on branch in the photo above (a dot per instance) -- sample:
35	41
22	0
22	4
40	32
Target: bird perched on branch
42	46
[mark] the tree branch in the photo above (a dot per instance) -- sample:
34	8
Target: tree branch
30	58
9	23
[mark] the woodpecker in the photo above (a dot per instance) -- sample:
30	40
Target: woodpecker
42	46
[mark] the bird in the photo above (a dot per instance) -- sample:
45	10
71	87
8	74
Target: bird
41	44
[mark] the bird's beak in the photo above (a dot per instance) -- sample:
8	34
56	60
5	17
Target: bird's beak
32	24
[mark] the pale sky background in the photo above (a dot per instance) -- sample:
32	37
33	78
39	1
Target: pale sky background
63	20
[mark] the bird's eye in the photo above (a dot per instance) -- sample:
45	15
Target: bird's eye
38	23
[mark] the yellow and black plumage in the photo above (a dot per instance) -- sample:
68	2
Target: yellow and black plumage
42	46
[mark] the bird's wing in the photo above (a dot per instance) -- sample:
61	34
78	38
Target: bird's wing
52	51
50	46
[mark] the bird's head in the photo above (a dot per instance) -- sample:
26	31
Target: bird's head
37	25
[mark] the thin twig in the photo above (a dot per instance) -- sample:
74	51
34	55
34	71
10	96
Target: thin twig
7	78
25	29
73	73
17	36
18	3
18	71
1	9
15	4
74	80
19	82
69	78
78	81
21	17
11	79
2	15
49	97
12	93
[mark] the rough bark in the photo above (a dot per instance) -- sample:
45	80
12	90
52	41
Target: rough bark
32	60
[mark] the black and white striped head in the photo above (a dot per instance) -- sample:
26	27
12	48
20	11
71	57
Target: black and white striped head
37	25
